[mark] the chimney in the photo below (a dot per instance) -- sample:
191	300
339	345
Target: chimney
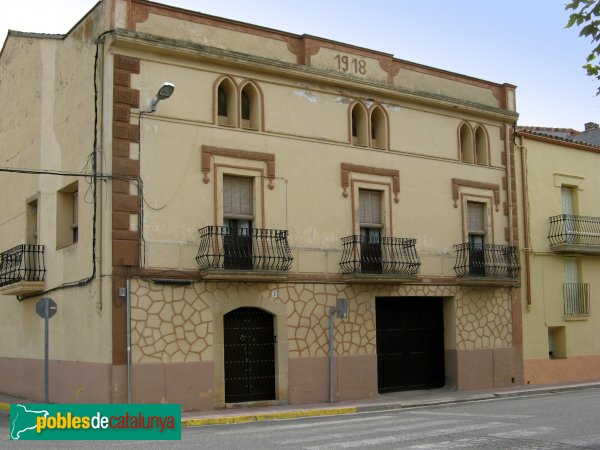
590	126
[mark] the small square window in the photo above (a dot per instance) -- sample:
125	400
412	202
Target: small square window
67	216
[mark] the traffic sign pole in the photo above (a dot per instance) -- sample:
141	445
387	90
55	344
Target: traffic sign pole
46	308
46	349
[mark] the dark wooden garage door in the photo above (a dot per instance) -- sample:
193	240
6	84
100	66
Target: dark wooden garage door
249	355
410	343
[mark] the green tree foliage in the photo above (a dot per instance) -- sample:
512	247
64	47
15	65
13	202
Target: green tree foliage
586	14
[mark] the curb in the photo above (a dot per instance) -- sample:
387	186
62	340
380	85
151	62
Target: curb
424	403
269	416
248	418
546	390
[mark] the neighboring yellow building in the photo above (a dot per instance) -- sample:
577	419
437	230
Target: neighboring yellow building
561	244
272	176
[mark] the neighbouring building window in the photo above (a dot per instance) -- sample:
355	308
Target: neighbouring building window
567	194
67	216
75	221
557	342
575	293
32	221
370	221
238	214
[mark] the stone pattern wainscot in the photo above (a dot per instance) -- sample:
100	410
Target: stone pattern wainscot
170	324
175	323
483	318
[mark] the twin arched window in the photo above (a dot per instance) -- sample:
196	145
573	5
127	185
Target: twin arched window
473	144
368	127
243	110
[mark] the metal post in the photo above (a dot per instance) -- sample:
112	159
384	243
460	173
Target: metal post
128	307
46	349
332	310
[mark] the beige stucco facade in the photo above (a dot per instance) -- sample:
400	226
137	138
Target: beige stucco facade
560	344
328	122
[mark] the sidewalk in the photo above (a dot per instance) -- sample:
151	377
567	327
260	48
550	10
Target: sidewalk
395	400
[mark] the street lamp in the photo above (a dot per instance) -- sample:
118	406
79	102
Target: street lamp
165	91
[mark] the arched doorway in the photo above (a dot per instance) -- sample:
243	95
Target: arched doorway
249	354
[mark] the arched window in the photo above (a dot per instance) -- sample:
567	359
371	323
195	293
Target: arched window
251	107
245	106
466	143
379	128
222	102
481	146
358	125
226	103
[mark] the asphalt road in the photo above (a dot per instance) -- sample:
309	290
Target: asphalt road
567	420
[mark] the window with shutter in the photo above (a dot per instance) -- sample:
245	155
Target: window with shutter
237	197
476	231
475	218
238	213
371	223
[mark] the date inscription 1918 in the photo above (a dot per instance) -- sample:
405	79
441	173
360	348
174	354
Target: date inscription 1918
352	65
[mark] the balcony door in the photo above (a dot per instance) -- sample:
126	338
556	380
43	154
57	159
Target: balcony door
238	214
568	210
476	231
371	224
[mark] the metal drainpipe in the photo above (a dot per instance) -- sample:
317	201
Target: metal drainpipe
128	302
525	220
509	189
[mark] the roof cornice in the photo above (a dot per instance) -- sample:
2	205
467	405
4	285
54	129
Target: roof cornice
143	41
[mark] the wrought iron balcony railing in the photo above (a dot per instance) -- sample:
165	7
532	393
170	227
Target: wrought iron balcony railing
244	249
379	255
24	262
577	298
486	261
572	230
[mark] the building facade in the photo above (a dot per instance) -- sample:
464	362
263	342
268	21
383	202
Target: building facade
560	234
196	240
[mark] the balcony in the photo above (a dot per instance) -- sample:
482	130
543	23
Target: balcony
22	270
381	259
575	234
577	299
487	264
243	254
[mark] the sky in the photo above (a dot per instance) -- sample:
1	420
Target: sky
521	42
